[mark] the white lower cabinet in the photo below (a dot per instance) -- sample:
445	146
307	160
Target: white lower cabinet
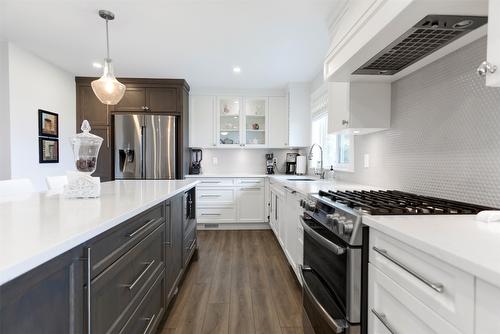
231	200
487	308
393	309
251	204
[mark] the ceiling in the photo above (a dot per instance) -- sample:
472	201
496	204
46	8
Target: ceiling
274	41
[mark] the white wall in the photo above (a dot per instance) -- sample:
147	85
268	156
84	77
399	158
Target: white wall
36	84
4	112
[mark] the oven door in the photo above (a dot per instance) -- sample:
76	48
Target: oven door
332	276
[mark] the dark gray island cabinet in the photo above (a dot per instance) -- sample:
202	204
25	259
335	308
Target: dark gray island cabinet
121	281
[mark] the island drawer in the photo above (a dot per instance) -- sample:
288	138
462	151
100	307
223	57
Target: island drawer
221	214
246	182
207	196
116	292
109	246
445	289
149	313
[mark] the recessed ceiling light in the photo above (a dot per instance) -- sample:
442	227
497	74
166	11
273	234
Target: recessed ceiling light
237	69
97	65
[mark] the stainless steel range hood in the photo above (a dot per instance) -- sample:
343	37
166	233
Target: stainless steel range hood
427	36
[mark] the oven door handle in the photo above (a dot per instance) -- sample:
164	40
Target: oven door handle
322	240
338	325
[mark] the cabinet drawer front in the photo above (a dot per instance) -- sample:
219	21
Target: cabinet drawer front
215	195
219	214
424	276
391	307
250	182
150	312
116	292
216	182
108	248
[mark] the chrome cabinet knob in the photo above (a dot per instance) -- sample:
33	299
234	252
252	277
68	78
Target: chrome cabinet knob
486	68
345	122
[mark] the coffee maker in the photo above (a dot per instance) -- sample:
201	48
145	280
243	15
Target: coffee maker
269	163
291	163
196	157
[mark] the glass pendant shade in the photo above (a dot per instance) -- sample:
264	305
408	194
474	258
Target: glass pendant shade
107	89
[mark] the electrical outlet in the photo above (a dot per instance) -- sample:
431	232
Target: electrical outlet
366	160
215	161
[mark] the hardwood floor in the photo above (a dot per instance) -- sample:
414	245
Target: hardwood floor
240	284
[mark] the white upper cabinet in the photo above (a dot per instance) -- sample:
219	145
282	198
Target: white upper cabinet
278	122
299	113
493	57
256	121
377	36
201	121
229	121
358	107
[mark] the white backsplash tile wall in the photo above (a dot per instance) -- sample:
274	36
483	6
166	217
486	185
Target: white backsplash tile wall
444	139
245	161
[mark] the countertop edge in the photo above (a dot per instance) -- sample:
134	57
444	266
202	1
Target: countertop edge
457	261
9	273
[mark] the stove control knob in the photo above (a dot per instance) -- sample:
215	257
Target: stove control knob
331	218
302	203
310	205
346	227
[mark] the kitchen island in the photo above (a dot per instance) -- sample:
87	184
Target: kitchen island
130	246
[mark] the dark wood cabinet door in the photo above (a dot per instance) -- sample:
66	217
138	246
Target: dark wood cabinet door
133	100
104	168
91	109
48	299
161	99
174	245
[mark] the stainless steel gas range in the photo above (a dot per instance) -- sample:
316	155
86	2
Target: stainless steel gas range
334	274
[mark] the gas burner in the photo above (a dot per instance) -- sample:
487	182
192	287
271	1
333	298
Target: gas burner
393	202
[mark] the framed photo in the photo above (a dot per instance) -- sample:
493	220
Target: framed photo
48	150
48	124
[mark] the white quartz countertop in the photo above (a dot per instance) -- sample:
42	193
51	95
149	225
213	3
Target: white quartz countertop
37	227
460	240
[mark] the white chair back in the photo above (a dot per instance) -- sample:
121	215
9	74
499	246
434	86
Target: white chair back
56	182
16	186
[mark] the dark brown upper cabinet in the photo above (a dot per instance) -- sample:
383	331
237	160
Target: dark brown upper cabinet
133	100
90	108
158	99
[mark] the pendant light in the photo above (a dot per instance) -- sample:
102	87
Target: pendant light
107	89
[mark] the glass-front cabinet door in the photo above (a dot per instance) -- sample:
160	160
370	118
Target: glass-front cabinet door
229	121
255	121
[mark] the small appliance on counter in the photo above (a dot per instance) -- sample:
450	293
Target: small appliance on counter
301	168
85	149
196	157
291	163
269	163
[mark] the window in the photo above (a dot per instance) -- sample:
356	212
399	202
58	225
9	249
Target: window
337	149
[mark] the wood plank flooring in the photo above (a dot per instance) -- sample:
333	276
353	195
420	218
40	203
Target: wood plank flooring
241	284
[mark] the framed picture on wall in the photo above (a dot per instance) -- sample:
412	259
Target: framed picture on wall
48	150
48	123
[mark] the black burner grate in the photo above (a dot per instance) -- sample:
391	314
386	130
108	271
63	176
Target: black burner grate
393	202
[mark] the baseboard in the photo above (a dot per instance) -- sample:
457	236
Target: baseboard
233	226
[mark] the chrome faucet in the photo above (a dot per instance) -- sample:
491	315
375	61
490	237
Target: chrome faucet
321	173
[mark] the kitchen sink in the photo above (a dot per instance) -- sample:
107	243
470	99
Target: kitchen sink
303	179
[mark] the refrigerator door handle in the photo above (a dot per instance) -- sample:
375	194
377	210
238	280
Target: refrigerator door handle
143	152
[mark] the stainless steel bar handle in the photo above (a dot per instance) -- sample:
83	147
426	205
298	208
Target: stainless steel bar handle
384	321
438	287
336	325
210	181
250	182
322	240
89	276
254	188
131	235
150	320
210	214
210	195
289	190
134	283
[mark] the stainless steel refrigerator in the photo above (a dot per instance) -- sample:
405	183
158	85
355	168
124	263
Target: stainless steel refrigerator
144	147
